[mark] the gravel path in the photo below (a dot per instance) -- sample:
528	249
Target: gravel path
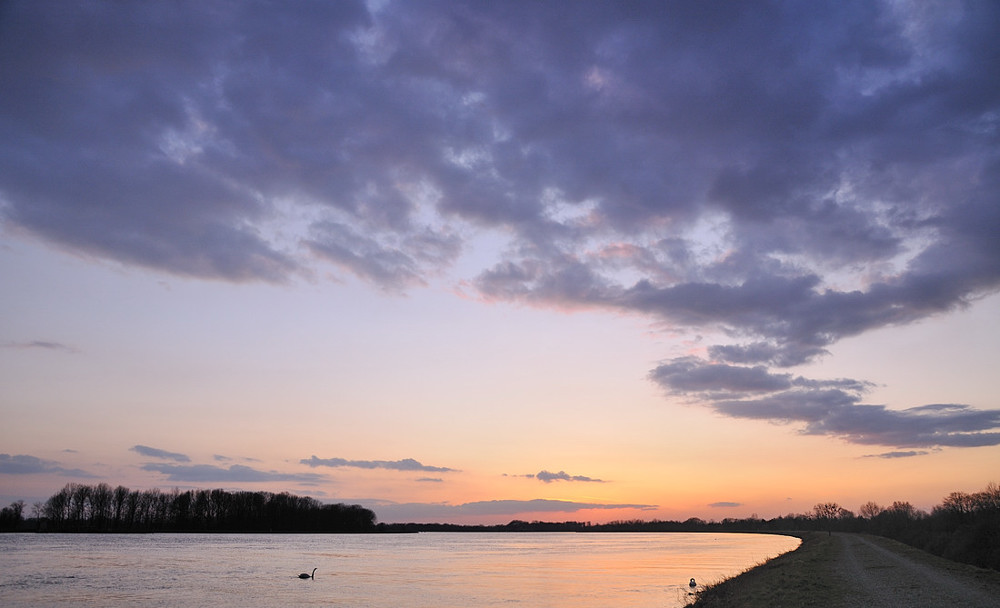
878	577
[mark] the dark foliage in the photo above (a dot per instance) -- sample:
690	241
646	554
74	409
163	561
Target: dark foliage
101	508
11	517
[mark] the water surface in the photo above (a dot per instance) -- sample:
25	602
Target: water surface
439	570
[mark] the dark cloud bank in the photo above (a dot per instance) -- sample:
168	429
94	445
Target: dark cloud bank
784	174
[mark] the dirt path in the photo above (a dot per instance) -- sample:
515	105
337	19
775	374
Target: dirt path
876	575
856	571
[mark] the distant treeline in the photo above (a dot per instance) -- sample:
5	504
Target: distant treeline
964	527
101	508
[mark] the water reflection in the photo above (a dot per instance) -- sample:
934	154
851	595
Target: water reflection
438	570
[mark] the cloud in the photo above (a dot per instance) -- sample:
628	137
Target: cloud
787	176
236	473
407	464
725	504
157	453
402	512
42	345
898	454
826	407
23	464
392	266
548	477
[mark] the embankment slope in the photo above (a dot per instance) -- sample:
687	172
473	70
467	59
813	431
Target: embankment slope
855	571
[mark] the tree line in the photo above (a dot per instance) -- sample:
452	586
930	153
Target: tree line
965	527
101	508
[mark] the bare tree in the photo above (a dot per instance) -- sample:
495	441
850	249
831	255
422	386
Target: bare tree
870	510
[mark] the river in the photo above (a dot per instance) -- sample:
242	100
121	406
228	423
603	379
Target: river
439	570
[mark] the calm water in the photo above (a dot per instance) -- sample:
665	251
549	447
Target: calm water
438	570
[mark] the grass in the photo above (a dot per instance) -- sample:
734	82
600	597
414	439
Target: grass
798	578
804	577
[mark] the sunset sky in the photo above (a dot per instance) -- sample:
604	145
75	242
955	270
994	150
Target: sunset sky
480	261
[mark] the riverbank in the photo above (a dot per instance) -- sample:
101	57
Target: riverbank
854	570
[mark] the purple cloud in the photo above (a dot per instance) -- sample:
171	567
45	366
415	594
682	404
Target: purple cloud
826	407
787	176
158	453
407	464
396	512
549	477
204	473
42	345
23	464
898	454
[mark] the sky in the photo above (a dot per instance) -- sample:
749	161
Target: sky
474	262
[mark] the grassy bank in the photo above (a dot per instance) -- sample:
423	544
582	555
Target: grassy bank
797	578
808	576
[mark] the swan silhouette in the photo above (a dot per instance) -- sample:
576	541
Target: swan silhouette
692	583
313	575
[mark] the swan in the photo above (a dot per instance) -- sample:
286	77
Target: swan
692	583
313	575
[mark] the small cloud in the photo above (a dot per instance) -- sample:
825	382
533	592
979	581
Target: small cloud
158	453
42	345
234	474
22	464
725	504
221	458
407	464
549	477
430	479
906	454
489	507
395	512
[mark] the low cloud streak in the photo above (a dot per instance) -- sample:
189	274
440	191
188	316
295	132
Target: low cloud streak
205	473
549	477
23	464
407	464
158	453
43	345
403	512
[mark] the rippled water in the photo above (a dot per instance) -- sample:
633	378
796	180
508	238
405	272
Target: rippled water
439	570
